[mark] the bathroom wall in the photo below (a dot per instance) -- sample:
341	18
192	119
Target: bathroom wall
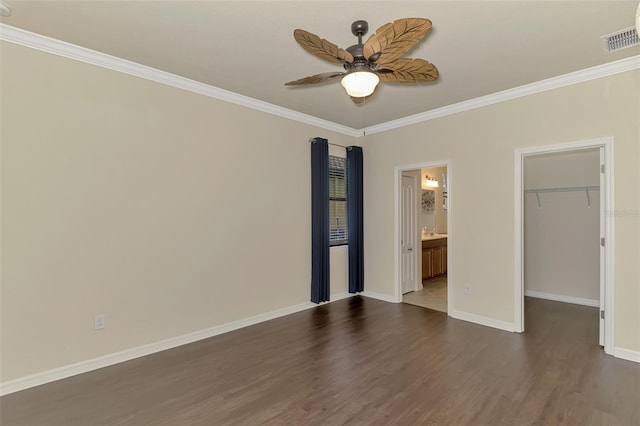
437	218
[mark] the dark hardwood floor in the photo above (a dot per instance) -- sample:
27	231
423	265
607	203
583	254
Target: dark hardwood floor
358	361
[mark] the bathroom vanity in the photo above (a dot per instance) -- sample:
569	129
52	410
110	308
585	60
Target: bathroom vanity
434	256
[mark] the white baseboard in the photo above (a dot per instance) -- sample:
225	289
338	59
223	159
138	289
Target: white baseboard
379	296
562	298
129	354
465	316
627	354
137	352
478	319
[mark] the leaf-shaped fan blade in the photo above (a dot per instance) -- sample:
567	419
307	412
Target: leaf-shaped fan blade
406	70
394	39
321	47
314	79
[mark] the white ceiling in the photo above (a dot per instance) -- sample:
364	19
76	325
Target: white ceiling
247	47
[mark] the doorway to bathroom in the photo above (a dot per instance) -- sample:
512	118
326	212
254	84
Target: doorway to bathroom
423	251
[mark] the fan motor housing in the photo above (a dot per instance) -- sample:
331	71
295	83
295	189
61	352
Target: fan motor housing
356	50
359	62
359	28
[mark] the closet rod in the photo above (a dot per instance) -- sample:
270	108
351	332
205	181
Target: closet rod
586	189
572	188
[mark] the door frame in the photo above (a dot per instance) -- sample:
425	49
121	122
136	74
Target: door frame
606	217
398	170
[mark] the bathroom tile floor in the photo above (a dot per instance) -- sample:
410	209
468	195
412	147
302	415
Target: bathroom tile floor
432	296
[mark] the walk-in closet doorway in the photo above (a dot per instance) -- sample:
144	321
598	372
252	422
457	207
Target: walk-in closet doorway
564	238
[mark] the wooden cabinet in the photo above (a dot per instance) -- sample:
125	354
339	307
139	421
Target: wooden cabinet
436	261
434	258
426	264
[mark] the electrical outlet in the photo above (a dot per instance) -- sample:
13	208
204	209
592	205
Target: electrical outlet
467	289
99	322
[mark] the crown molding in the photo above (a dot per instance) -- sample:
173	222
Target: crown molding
587	74
72	51
57	47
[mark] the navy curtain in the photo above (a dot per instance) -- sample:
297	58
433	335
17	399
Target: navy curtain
319	220
354	215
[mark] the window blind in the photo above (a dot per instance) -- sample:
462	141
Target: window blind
338	225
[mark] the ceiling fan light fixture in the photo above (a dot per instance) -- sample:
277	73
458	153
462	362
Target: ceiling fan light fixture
360	84
381	55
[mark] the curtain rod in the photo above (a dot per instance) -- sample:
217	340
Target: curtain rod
313	140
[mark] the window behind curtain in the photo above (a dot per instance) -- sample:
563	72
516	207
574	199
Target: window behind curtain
338	226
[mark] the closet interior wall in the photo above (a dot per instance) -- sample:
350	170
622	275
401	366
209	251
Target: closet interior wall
562	226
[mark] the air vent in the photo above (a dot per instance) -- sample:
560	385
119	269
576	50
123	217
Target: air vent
620	39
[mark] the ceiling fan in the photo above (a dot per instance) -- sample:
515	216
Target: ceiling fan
377	59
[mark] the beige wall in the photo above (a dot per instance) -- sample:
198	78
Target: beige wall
480	144
125	197
562	233
132	199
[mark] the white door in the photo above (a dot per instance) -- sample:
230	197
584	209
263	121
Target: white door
408	232
602	243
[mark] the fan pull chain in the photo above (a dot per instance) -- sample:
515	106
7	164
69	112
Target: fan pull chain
364	121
